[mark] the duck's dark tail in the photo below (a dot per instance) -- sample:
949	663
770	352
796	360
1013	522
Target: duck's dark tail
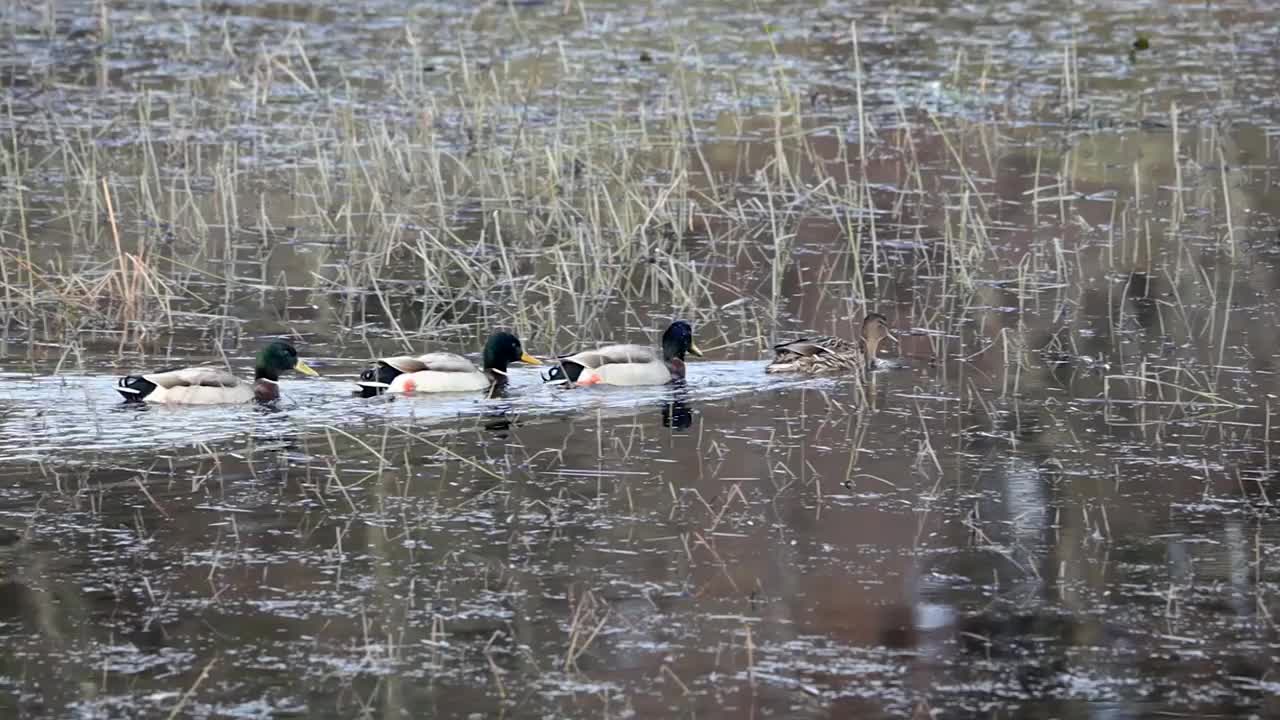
135	388
565	372
376	380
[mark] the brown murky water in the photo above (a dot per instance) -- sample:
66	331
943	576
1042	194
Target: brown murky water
1061	506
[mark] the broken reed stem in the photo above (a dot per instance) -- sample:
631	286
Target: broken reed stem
115	231
1209	397
862	115
186	697
666	670
127	282
143	487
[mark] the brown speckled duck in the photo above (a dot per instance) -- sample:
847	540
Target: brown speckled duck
814	355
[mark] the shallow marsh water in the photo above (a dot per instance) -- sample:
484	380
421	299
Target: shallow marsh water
1062	507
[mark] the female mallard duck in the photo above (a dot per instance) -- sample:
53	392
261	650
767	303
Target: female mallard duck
831	354
445	372
630	364
212	386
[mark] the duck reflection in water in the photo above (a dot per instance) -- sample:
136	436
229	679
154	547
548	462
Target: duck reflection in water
498	422
273	429
676	413
498	418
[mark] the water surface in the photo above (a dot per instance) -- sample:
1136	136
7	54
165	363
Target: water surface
1061	507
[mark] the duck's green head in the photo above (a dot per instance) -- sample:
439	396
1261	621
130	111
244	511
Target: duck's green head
678	340
502	349
277	357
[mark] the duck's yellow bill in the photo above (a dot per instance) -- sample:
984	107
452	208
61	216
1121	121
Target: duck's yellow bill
527	358
694	349
305	369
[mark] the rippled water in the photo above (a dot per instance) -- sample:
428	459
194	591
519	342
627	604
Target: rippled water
54	417
775	552
1063	506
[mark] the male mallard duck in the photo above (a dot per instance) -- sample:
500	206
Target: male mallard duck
630	364
211	386
445	372
830	354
